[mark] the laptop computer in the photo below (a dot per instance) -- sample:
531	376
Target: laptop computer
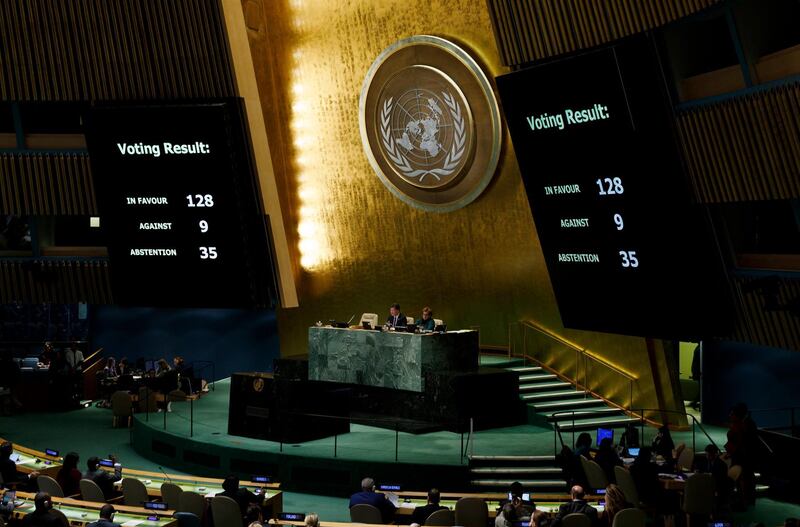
603	433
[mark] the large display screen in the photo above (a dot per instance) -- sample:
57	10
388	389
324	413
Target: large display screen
627	248
179	203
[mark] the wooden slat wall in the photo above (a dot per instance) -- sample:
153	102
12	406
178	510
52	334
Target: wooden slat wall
528	30
67	50
745	148
46	185
61	281
779	327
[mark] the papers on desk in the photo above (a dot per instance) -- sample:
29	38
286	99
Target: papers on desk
391	496
132	523
406	505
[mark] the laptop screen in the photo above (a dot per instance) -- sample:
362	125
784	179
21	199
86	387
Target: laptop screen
603	433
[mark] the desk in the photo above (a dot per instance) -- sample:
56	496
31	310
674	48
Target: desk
34	461
81	513
388	359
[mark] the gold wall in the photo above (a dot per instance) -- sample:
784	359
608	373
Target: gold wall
478	266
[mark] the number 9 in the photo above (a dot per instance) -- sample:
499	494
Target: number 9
619	222
203	226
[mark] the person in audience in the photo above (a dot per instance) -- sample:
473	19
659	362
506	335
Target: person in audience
107	512
645	476
47	354
742	447
69	477
253	516
712	464
630	437
43	515
110	371
312	519
663	446
523	508
421	514
243	497
540	519
104	479
396	317
583	445
507	516
576	505
426	323
74	358
123	368
608	458
8	469
376	499
615	502
163	367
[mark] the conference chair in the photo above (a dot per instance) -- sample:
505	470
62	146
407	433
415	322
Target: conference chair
576	519
225	512
365	513
471	512
438	322
698	497
595	476
50	486
134	493
187	519
686	459
441	518
735	472
409	321
91	491
629	518
372	318
627	485
170	494
192	502
121	408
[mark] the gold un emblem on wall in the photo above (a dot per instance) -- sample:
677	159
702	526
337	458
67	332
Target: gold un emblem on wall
430	124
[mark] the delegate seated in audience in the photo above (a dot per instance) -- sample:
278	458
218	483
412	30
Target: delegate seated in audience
608	458
426	323
43	515
523	508
368	496
583	445
69	477
615	502
645	477
712	464
539	519
253	517
630	437
507	516
104	479
663	446
8	469
312	519
110	370
576	505
243	497
421	514
107	512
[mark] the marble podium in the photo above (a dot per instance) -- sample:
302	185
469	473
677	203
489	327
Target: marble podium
388	359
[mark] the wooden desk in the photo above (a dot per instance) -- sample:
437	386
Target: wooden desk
34	461
81	513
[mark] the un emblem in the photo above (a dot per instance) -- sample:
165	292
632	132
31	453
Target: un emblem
430	123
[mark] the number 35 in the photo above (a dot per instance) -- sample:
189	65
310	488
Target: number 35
629	259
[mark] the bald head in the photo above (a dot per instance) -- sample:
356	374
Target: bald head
577	492
367	484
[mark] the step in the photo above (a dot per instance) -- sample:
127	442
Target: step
520	459
545	406
558	394
544	386
515	470
527	369
582	414
591	424
538	377
526	483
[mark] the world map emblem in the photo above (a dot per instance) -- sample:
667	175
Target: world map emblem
420	110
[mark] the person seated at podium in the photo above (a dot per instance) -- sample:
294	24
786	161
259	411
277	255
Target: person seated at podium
368	495
396	317
421	514
426	323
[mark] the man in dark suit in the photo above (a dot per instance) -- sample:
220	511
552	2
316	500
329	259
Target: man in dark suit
243	497
368	496
577	504
421	513
396	317
105	480
43	515
107	512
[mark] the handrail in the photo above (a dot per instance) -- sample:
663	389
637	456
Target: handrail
576	347
90	357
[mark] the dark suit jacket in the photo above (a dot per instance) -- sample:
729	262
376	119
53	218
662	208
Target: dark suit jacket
401	320
103	523
575	506
43	519
376	499
421	514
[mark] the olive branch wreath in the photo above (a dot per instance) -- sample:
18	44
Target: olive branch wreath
452	158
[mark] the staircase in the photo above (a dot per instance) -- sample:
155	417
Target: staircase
497	473
546	395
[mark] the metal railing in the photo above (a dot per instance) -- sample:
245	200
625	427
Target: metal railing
585	360
791	413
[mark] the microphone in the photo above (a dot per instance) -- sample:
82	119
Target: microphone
351	319
165	474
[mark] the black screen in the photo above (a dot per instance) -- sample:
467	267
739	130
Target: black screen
178	201
627	249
